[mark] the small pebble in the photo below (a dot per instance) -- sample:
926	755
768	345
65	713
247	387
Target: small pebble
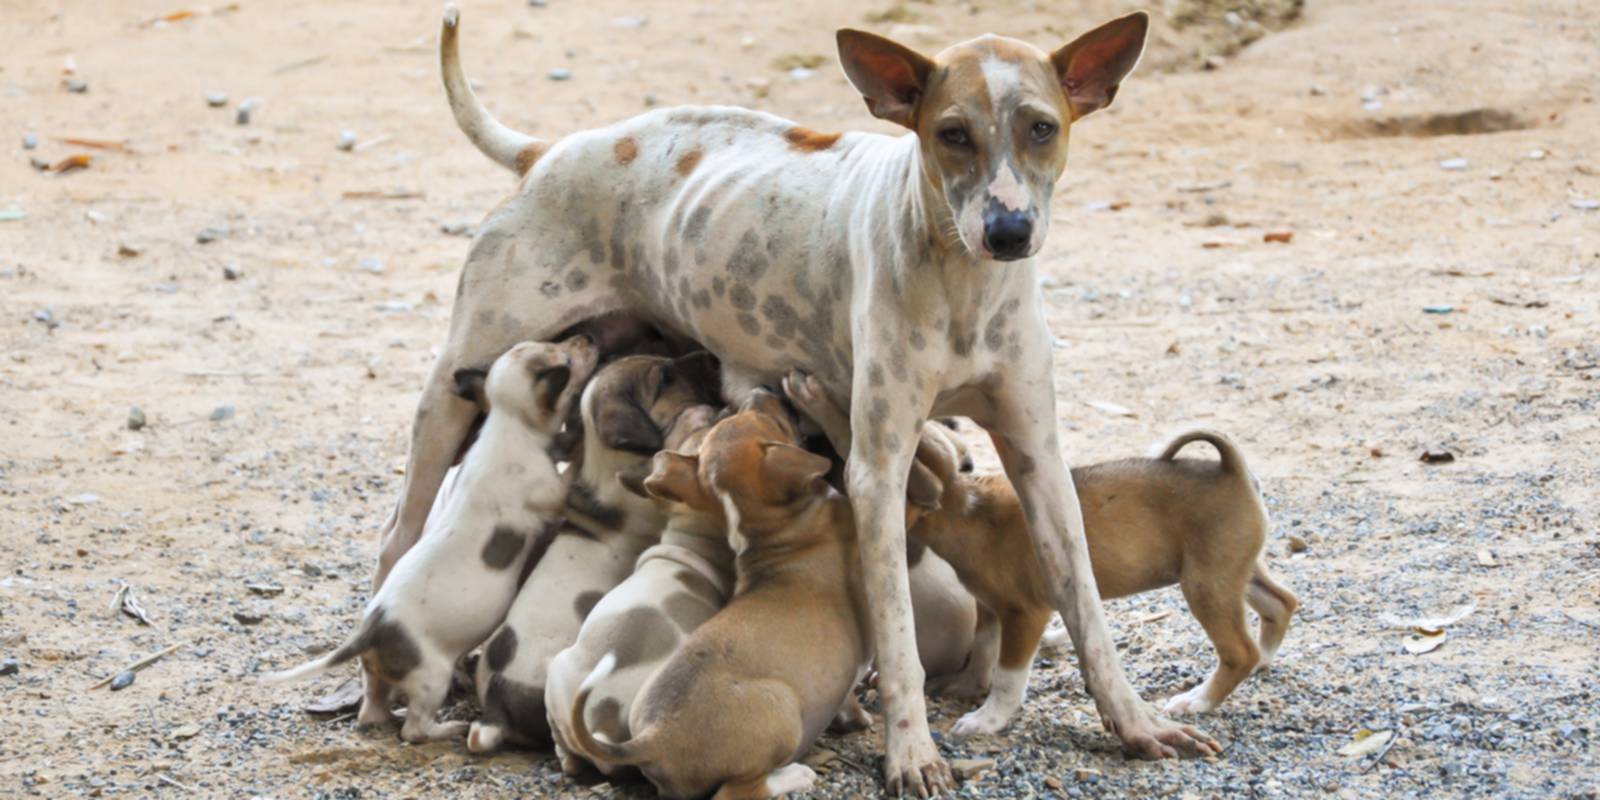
456	229
209	234
1298	545
650	101
347	140
136	419
559	74
968	768
231	272
123	680
1438	309
77	85
221	413
247	618
1453	164
247	107
30	141
1586	204
216	99
10	667
538	3
372	264
128	250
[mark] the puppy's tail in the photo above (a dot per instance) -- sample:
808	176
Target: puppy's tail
1232	459
594	746
508	148
352	647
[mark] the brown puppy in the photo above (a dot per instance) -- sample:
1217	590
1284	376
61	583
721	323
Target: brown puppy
758	682
1149	522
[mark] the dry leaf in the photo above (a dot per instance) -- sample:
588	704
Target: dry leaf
1278	237
1153	616
1111	408
98	144
1366	742
72	162
1429	624
1424	641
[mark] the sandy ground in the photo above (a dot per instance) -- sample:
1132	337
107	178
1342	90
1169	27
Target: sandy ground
276	403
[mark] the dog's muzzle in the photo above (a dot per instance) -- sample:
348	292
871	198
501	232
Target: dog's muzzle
1007	234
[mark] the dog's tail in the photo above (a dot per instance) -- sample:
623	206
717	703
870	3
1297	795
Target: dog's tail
594	746
1232	459
358	642
508	148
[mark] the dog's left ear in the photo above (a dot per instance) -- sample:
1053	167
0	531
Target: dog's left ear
676	477
632	478
469	386
794	469
702	370
622	425
1093	65
889	75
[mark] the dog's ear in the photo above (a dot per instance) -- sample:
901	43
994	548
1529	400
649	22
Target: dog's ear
632	478
794	470
676	477
549	384
890	76
622	425
702	371
469	386
1092	66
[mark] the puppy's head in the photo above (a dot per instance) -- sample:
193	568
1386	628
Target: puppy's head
684	435
536	381
991	116
632	402
749	469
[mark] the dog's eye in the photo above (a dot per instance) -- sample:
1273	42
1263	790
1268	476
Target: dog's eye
955	137
1043	131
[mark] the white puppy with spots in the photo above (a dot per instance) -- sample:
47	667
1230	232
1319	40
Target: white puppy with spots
451	590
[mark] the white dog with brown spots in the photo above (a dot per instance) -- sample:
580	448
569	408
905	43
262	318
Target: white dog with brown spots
899	270
450	591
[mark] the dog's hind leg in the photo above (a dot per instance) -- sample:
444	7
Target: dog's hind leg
1219	605
1275	605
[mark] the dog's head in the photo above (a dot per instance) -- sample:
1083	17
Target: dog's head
992	116
537	381
632	403
749	469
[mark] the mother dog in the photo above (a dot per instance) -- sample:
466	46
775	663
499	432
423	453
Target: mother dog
870	261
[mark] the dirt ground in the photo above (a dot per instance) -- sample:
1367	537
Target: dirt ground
270	303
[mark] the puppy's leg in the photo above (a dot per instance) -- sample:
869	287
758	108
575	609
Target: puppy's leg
437	431
974	679
1275	604
851	717
1020	630
375	711
426	688
777	783
1219	605
1023	427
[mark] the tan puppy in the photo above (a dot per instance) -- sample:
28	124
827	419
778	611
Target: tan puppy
757	683
627	410
1149	522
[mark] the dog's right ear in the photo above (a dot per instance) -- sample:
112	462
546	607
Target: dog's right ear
469	386
676	477
632	478
890	76
794	470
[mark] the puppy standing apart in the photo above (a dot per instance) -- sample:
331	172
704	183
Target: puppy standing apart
1149	523
625	411
449	592
757	683
675	587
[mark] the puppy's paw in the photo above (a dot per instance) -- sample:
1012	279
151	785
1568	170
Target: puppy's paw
1193	701
483	738
986	721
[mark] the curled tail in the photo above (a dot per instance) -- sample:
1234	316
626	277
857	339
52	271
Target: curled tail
510	149
1232	459
597	748
358	642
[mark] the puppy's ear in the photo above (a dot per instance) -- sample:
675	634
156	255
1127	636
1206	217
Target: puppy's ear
469	386
792	470
889	75
702	371
549	384
632	478
621	425
1093	65
676	477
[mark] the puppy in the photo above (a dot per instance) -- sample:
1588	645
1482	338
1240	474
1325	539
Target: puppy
675	586
449	592
1150	522
626	410
755	685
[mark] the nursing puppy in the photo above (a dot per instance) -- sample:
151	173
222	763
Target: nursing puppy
675	586
449	592
626	411
1150	522
754	686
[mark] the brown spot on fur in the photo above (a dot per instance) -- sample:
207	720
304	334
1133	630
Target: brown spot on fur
688	161
626	150
530	155
809	141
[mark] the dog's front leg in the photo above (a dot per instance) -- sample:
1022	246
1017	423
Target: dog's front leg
887	425
1024	433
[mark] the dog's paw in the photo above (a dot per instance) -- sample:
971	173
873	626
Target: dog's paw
913	767
1193	701
483	739
985	721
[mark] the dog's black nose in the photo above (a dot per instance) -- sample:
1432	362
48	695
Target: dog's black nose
1007	234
